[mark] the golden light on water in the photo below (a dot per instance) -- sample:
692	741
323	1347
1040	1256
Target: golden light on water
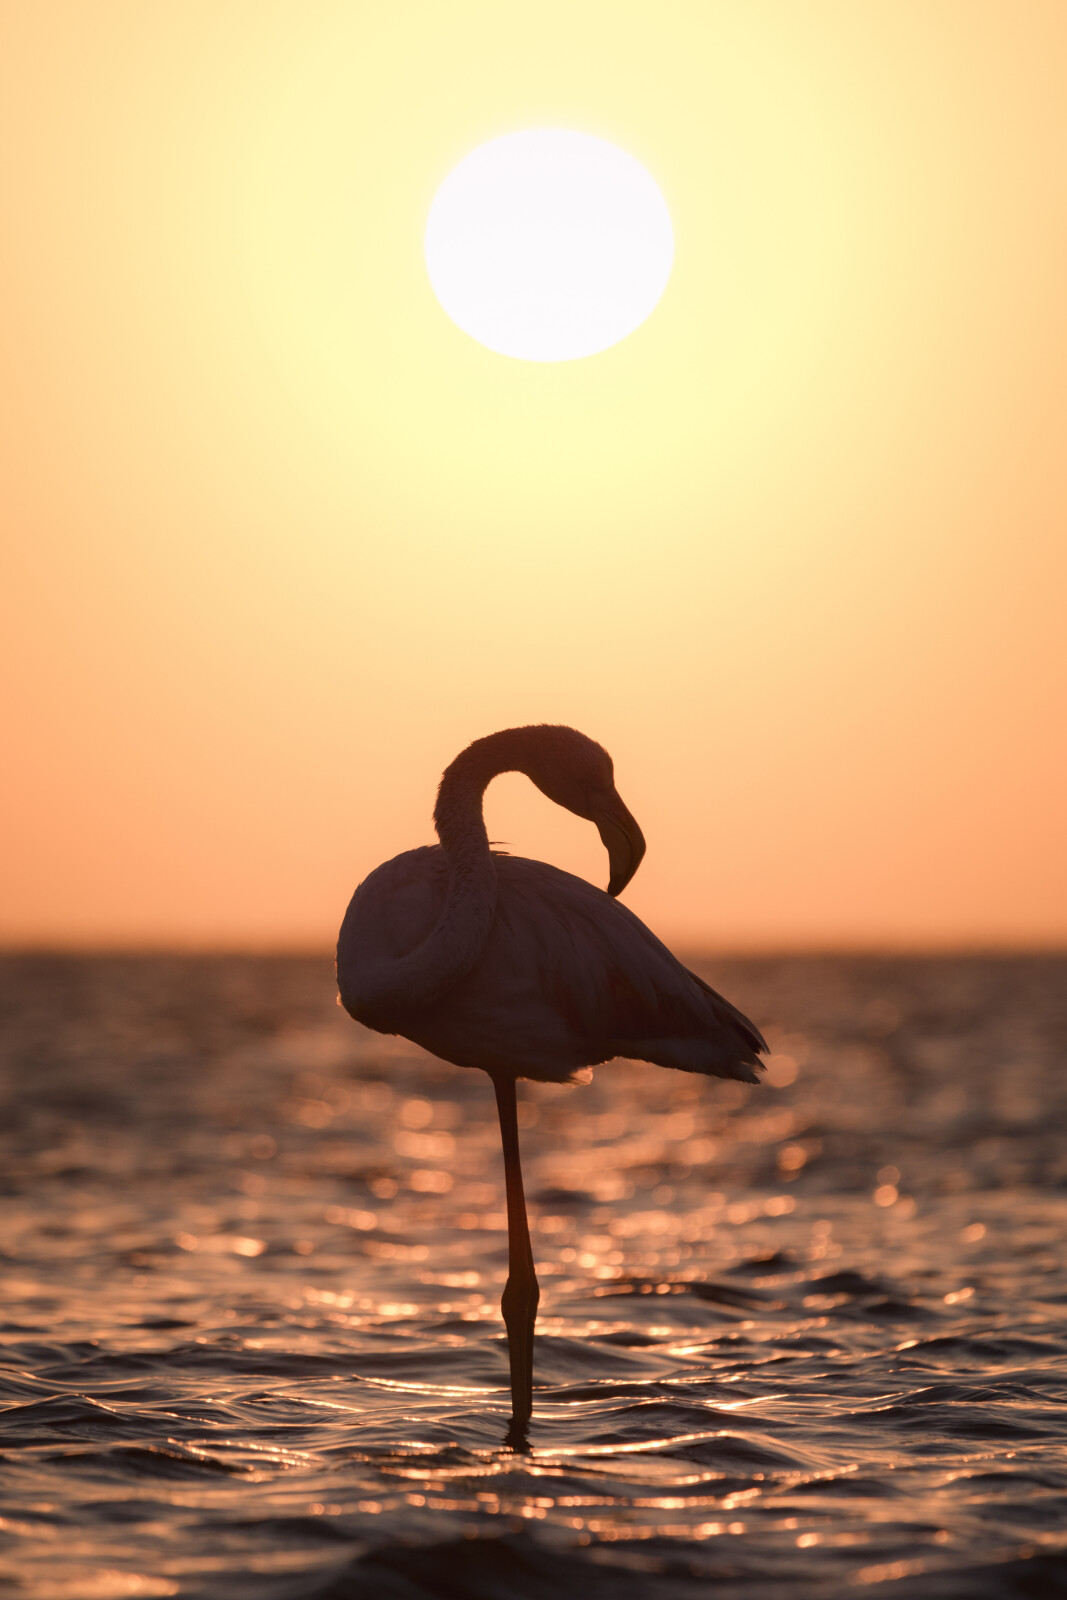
240	1292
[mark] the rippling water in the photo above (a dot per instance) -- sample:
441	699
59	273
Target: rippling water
798	1340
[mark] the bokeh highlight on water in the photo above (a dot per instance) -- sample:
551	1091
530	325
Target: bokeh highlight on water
800	1340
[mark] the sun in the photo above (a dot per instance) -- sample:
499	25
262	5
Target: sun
548	245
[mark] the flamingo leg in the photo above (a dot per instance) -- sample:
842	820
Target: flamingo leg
521	1292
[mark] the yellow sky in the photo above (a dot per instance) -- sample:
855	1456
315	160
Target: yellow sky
280	538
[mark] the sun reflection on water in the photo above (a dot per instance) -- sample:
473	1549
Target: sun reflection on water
734	1350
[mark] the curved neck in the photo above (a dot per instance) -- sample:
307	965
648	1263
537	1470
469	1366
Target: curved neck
389	990
382	992
457	941
458	818
457	815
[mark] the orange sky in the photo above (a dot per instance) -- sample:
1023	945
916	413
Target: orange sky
280	538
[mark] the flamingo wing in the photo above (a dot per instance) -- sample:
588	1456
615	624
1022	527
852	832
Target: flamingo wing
568	978
396	907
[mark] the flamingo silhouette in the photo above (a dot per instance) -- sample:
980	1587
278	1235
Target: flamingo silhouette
493	961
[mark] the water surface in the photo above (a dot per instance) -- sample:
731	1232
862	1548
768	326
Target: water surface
797	1341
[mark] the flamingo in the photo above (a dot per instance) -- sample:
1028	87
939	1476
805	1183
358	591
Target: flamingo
493	961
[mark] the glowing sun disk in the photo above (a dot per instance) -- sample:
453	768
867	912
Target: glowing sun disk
548	245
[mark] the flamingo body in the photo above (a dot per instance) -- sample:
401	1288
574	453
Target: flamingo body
567	978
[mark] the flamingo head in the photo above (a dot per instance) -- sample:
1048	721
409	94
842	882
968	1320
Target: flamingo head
578	774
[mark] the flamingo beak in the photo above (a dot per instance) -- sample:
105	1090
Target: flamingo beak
623	840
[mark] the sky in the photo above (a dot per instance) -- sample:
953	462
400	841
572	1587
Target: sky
281	538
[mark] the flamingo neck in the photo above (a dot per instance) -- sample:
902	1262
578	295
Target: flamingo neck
457	941
458	818
460	823
385	993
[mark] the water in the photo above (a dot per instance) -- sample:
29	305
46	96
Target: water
797	1341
